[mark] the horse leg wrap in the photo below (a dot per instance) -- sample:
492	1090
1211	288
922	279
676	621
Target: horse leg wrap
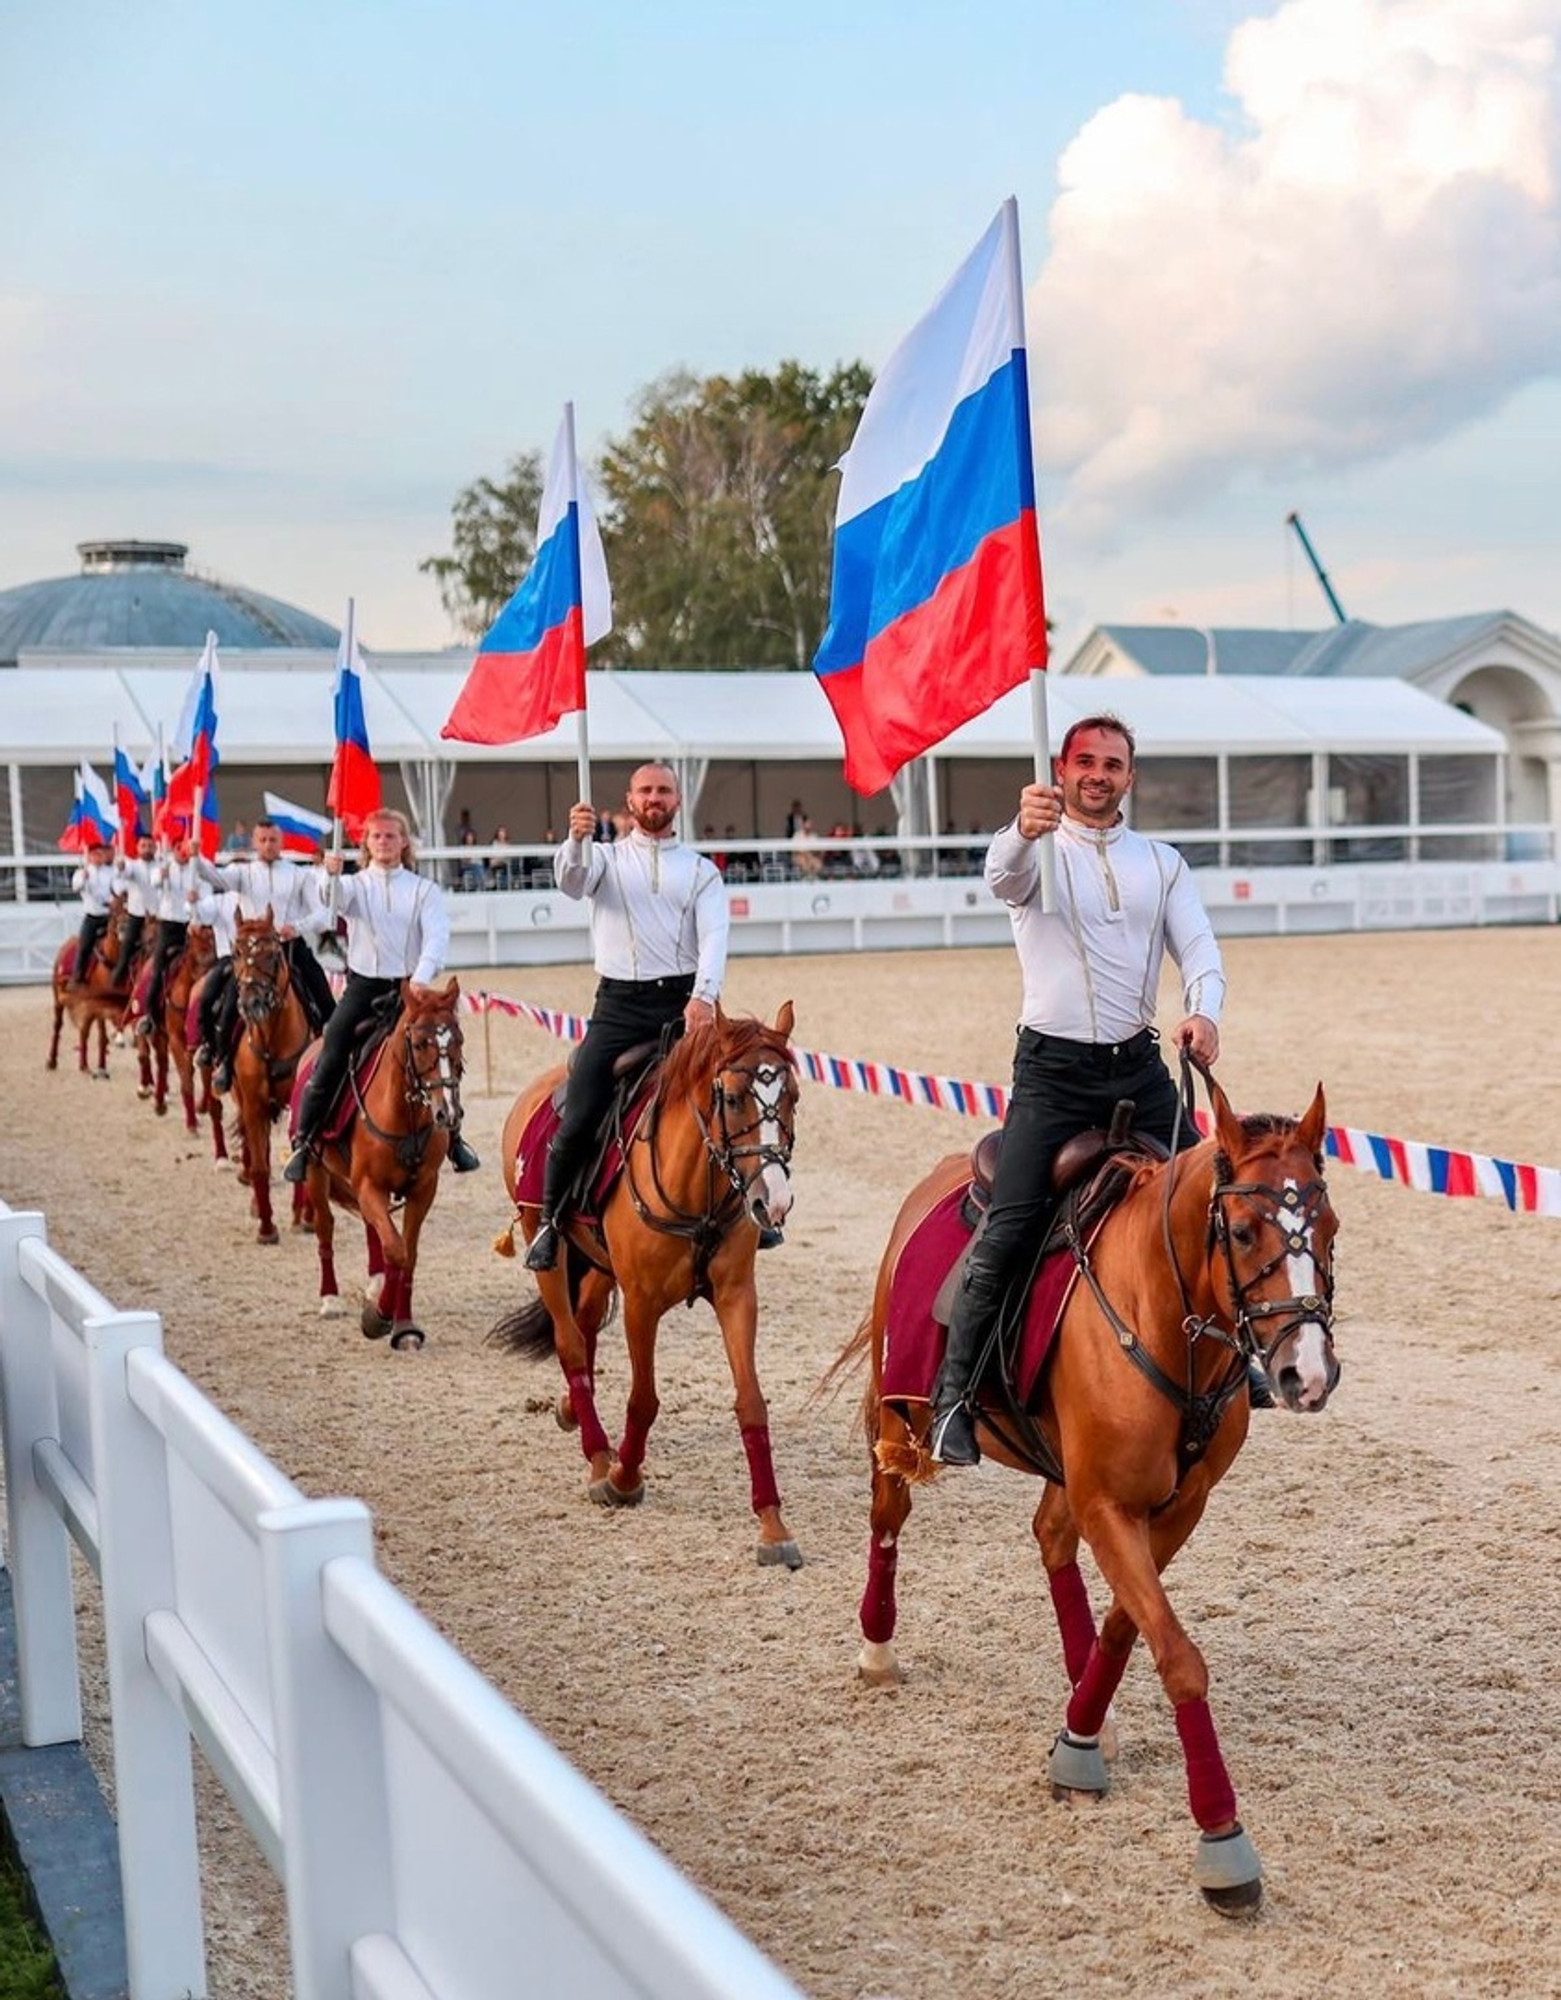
761	1467
878	1612
631	1453
592	1437
1076	1764
1099	1681
1210	1793
1075	1619
376	1250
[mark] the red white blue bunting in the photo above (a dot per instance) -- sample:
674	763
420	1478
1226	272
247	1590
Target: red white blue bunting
1443	1170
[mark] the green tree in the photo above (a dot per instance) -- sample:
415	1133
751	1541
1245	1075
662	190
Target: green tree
494	534
719	506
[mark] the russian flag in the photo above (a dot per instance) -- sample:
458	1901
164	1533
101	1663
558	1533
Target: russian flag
530	669
195	743
354	790
936	606
302	831
92	821
130	800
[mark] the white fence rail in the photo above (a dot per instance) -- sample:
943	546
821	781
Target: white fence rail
431	1844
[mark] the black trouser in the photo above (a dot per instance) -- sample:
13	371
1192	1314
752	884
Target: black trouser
625	1012
359	999
1061	1088
93	925
166	947
314	989
219	1006
130	943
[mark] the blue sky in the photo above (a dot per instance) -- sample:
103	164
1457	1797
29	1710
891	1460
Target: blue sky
279	281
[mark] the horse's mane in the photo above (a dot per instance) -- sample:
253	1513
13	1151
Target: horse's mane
700	1052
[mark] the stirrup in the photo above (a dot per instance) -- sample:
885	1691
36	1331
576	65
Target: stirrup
771	1238
543	1253
953	1439
297	1169
462	1159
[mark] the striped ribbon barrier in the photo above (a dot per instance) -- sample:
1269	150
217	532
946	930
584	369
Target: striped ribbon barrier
1443	1170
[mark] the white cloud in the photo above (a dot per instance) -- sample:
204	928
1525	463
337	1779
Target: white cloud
1366	258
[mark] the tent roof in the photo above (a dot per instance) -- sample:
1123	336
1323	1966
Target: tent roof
276	708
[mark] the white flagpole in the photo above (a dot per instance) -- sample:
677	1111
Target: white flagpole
333	900
582	729
1040	726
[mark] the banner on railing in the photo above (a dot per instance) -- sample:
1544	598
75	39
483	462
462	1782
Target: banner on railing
1444	1170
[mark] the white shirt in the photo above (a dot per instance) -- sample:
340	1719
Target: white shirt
95	882
173	881
140	887
1092	966
284	888
220	912
658	909
397	923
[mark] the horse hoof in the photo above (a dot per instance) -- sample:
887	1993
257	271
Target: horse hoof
1229	1873
222	1166
374	1324
876	1665
268	1237
143	1092
407	1339
331	1307
160	1109
605	1494
779	1555
564	1412
1076	1767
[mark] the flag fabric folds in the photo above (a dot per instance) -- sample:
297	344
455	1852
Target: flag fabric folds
302	831
193	782
354	789
92	817
132	805
936	605
530	669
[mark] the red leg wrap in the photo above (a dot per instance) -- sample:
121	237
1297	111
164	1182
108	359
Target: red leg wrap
631	1453
592	1437
1101	1678
761	1467
878	1612
1075	1620
1209	1791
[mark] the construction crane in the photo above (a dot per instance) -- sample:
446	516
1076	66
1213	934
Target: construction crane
1293	520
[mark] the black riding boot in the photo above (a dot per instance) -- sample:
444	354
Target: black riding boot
543	1253
461	1156
953	1437
310	1112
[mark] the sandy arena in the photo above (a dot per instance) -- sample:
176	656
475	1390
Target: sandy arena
1377	1590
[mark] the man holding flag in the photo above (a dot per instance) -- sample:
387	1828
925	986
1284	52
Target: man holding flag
936	610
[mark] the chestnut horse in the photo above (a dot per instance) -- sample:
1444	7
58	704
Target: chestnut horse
705	1166
170	1037
1220	1255
275	1032
95	1001
406	1103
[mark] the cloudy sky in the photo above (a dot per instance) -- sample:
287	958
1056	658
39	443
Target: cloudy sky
277	281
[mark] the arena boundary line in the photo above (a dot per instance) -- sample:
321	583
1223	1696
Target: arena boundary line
1412	1163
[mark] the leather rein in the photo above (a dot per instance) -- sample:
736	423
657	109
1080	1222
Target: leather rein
411	1147
731	1164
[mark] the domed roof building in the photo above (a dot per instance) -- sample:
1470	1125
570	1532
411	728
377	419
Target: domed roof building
140	594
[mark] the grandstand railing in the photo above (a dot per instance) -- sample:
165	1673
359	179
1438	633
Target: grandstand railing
430	1843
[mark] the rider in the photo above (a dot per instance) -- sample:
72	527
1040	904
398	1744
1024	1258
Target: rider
659	924
1091	968
173	879
96	882
140	898
397	929
272	882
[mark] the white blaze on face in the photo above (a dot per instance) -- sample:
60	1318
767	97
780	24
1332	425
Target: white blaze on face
444	1044
1308	1346
773	1187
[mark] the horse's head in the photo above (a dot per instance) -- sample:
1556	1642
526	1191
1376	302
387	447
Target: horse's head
1271	1233
111	944
751	1126
260	967
432	1049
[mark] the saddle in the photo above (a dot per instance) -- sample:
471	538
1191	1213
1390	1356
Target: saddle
368	1046
634	1081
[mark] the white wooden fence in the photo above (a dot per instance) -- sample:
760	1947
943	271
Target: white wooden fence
431	1844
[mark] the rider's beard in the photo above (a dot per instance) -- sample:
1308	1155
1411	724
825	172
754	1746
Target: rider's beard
652	819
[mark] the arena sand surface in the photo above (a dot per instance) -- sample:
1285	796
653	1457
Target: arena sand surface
1377	1590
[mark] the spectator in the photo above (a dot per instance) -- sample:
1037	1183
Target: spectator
810	863
795	819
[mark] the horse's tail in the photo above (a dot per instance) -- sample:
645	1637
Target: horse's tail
858	1348
528	1331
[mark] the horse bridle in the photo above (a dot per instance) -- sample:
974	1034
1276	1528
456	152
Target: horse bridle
768	1084
1293	1211
445	1071
260	966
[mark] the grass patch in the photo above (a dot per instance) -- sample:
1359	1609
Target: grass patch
27	1968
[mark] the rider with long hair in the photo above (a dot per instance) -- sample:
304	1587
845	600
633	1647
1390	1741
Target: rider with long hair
397	929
